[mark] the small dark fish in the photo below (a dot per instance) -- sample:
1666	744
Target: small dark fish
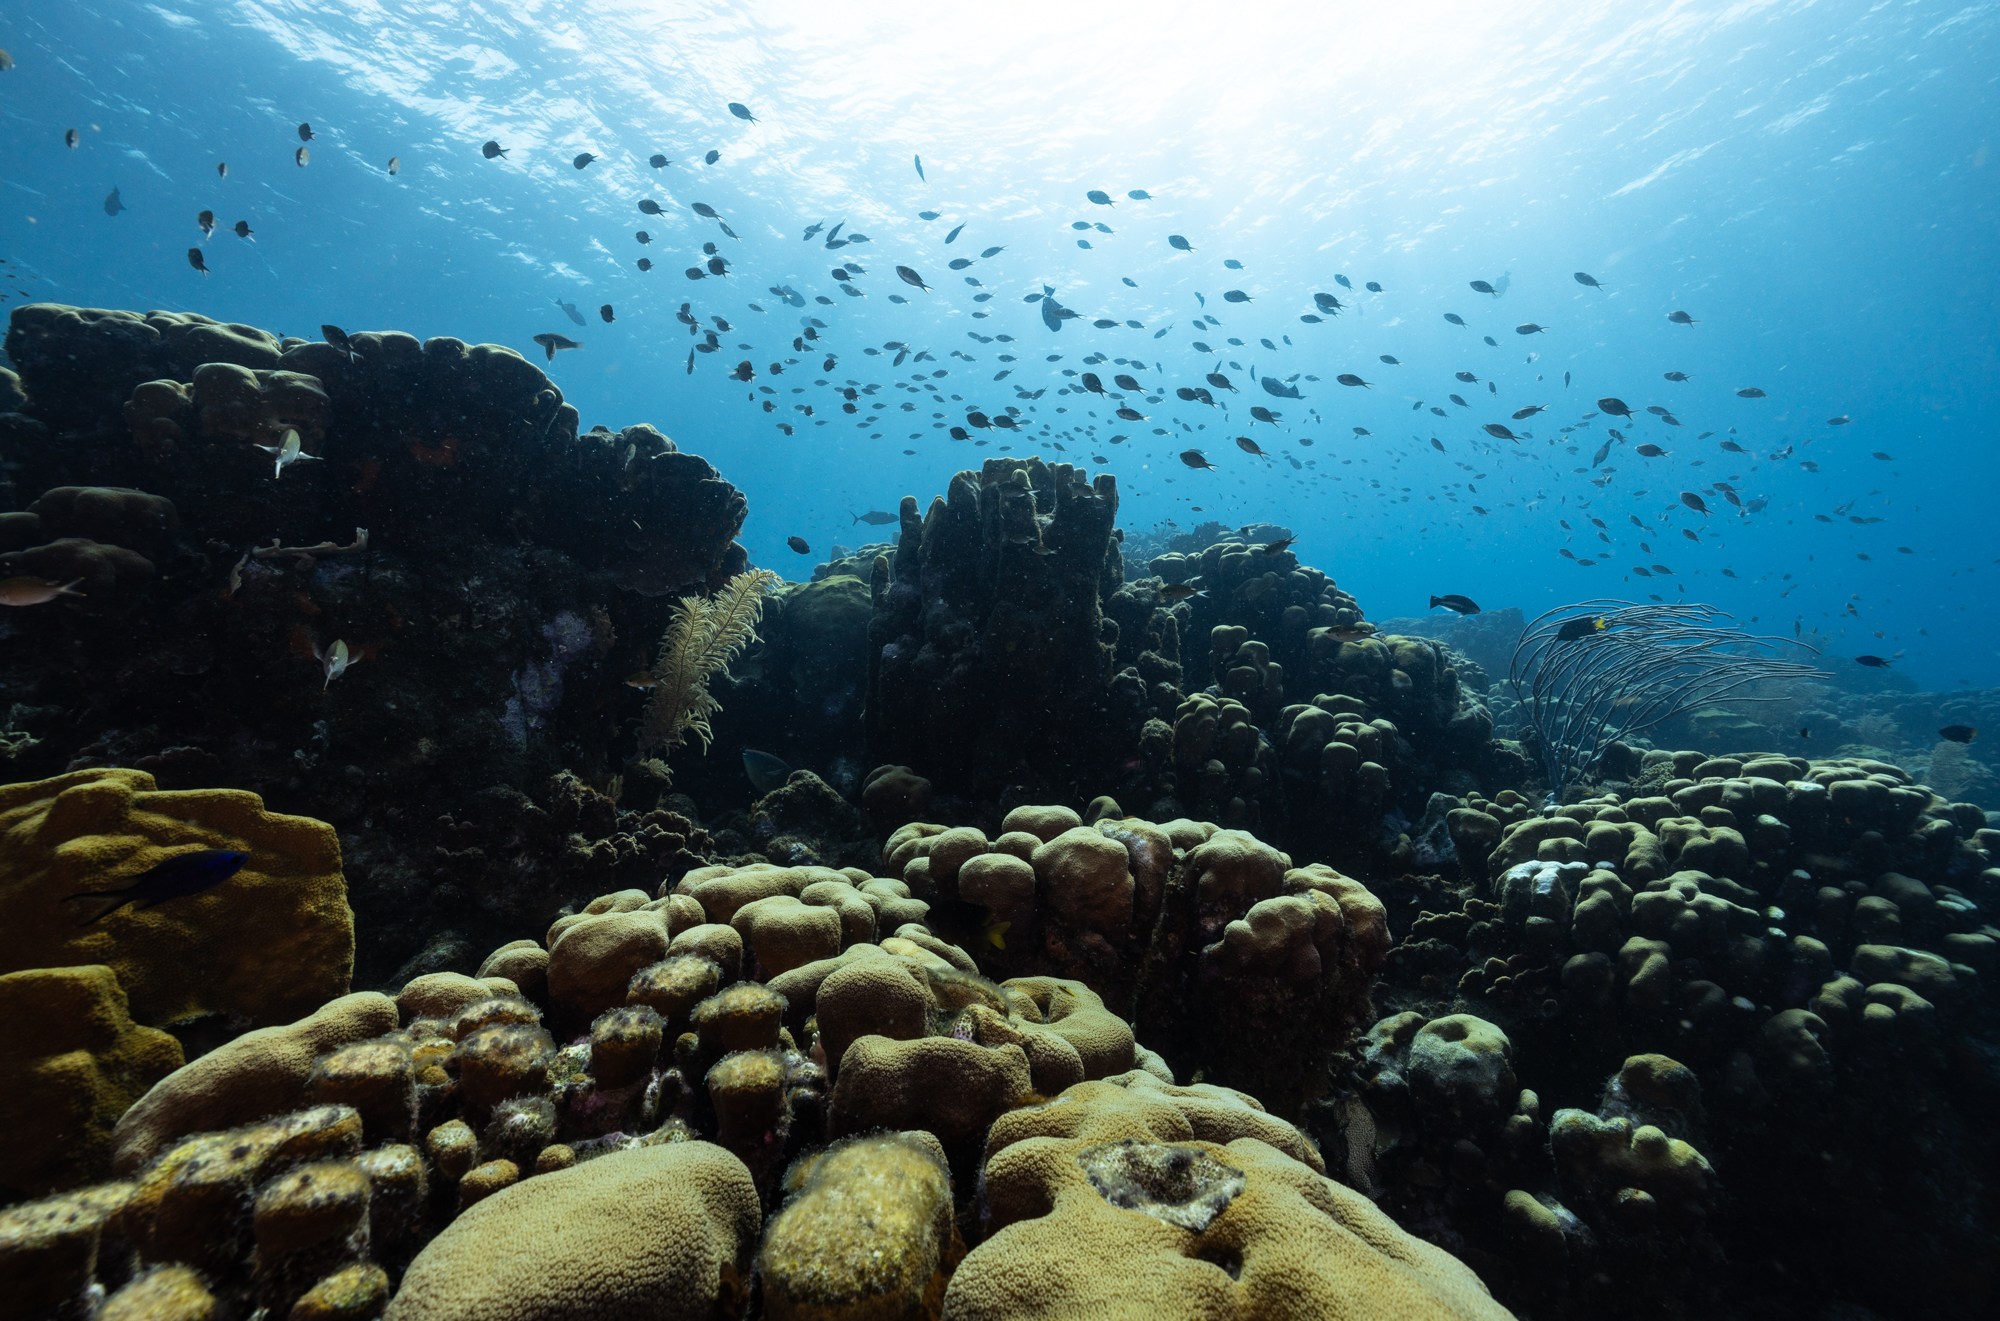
920	167
1676	377
182	875
1236	296
305	133
1680	318
570	311
302	157
658	161
959	263
650	207
1582	627
1587	280
1343	281
799	544
583	159
492	151
1482	287
643	236
744	372
711	158
71	138
1750	392
337	337
1872	662
242	228
1349	378
1454	318
195	260
1195	459
704	210
645	263
1099	196
1650	452
1499	431
1247	445
1174	592
113	204
1616	407
207	222
1177	242
1462	605
1139	195
1530	328
875	518
1280	546
1695	502
741	111
551	342
1958	733
992	252
718	266
606	312
1373	287
222	169
394	167
1530	411
910	277
956	231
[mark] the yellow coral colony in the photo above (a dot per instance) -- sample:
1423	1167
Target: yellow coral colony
705	635
274	942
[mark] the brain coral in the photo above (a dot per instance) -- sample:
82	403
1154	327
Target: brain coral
658	1232
1109	1206
271	943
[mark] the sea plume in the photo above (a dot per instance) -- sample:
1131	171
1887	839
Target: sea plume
705	635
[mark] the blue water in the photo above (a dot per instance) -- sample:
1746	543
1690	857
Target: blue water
1815	183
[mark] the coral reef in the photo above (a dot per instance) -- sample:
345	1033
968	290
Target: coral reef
1344	1016
990	651
511	574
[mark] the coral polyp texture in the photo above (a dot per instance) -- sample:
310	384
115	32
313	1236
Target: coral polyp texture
441	877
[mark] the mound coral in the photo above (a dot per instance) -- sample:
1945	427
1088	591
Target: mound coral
273	941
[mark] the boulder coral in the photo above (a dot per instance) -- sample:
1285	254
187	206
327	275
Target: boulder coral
271	942
74	1062
1209	940
1114	1206
462	1149
659	1232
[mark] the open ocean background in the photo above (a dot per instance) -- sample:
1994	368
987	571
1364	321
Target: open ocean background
1815	183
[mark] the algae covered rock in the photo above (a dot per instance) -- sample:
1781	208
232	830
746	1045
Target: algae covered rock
867	1232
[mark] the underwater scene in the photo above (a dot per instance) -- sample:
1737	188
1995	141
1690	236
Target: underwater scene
794	660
